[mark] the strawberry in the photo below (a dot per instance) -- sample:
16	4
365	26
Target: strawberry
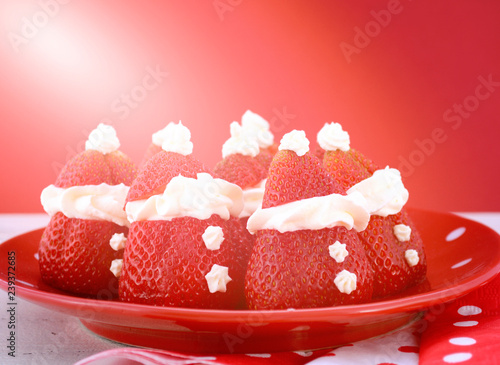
192	257
294	268
159	170
75	255
417	264
166	264
387	254
86	168
74	252
244	171
368	164
346	170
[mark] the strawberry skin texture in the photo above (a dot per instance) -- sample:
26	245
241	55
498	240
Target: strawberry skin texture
295	270
368	164
86	168
75	255
345	169
419	271
92	167
165	263
154	176
244	171
299	182
122	168
386	256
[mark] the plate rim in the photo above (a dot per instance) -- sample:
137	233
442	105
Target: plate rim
416	302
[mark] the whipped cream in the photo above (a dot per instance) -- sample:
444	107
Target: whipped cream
345	282
252	199
295	141
218	278
174	138
411	257
384	192
118	241
258	127
103	139
213	237
188	197
313	213
402	232
101	202
331	137
338	251
116	267
241	141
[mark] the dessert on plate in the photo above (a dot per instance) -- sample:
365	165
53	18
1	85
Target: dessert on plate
270	227
88	223
184	246
392	243
306	254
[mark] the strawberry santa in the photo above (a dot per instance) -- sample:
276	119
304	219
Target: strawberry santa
308	250
88	222
184	246
391	241
306	253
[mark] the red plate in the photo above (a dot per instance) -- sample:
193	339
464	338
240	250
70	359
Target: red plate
461	254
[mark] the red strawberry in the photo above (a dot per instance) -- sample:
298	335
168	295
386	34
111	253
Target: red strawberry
368	164
346	170
75	253
167	262
121	167
159	170
392	272
244	171
386	255
417	263
295	269
86	168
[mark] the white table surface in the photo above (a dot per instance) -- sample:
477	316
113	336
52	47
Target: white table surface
47	337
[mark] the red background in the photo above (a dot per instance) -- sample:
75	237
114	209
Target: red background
65	66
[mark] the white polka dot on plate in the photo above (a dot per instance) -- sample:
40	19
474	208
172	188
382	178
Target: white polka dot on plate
461	263
469	310
466	324
457	357
462	341
456	233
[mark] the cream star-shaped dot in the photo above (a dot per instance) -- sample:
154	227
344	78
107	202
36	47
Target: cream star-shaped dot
411	257
402	232
116	267
345	282
117	241
218	278
213	237
338	251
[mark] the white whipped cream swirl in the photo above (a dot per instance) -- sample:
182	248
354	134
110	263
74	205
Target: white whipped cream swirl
100	202
188	197
174	138
331	137
295	141
384	192
103	139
